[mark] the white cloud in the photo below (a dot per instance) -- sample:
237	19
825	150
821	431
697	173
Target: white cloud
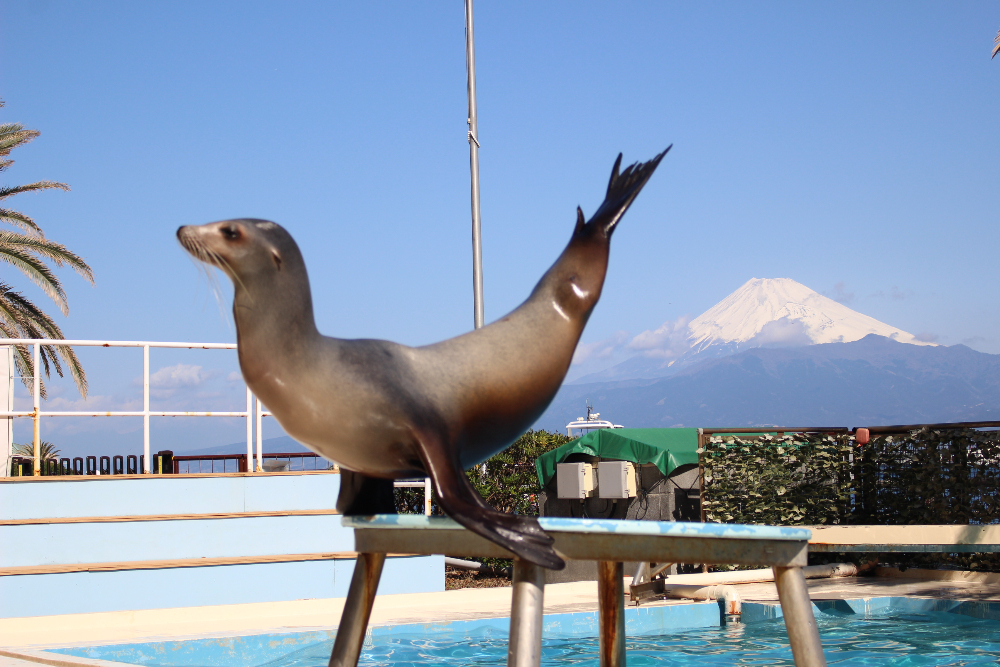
781	333
840	294
235	376
93	403
602	349
179	375
668	341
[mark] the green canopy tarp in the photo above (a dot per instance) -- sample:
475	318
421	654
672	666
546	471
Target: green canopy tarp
666	448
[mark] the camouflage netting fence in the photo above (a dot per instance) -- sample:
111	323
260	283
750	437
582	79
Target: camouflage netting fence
946	476
800	479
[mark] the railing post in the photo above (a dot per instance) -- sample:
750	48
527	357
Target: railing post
36	395
427	496
249	465
260	439
145	408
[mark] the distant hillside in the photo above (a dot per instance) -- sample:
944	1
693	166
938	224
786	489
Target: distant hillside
871	381
281	445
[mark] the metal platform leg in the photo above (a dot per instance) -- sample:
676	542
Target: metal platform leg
611	601
525	647
796	607
357	610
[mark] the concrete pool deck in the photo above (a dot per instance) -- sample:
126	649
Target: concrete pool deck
38	633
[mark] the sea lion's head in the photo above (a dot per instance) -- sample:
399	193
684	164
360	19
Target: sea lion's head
246	250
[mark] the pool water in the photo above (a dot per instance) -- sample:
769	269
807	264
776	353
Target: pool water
895	638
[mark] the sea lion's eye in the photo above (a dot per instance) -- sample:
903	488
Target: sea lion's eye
231	233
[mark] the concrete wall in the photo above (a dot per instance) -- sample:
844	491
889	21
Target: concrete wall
88	544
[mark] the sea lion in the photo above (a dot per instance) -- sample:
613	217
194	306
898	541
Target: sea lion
387	411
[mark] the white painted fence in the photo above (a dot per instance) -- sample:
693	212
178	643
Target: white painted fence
254	412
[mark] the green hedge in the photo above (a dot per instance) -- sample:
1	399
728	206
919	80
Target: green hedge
945	476
800	479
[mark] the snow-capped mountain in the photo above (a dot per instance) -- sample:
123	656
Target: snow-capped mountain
776	311
763	312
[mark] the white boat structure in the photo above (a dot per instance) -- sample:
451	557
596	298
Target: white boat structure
592	422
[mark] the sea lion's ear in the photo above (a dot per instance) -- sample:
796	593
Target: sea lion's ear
276	256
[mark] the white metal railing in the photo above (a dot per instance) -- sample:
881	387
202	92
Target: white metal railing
255	411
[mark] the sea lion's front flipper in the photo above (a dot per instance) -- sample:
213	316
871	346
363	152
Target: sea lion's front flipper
361	495
519	534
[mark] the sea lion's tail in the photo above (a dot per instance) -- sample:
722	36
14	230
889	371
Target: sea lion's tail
623	188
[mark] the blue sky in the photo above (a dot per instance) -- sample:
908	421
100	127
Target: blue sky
853	147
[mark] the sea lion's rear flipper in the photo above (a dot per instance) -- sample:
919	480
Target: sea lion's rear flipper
623	188
520	534
361	495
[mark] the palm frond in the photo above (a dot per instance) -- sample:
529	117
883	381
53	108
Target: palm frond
38	273
7	128
20	220
39	325
42	247
31	187
996	49
22	359
13	135
20	318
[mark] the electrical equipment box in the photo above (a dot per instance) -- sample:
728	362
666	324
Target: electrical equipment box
574	480
617	479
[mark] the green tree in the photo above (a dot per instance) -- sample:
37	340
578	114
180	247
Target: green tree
46	450
26	249
508	480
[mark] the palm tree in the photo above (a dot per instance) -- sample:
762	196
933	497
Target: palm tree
27	249
47	450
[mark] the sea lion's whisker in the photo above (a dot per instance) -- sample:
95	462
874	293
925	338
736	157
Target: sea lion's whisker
226	266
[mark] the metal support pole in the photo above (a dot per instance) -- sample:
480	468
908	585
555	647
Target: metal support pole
249	464
145	408
611	611
36	396
800	623
427	496
525	645
260	438
357	610
477	239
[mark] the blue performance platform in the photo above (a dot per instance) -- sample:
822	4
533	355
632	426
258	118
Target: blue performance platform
607	541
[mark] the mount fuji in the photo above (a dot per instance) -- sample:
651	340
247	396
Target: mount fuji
763	312
776	353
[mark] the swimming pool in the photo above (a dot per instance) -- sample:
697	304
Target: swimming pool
877	631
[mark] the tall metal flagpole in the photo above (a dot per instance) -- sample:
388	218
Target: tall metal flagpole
477	239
